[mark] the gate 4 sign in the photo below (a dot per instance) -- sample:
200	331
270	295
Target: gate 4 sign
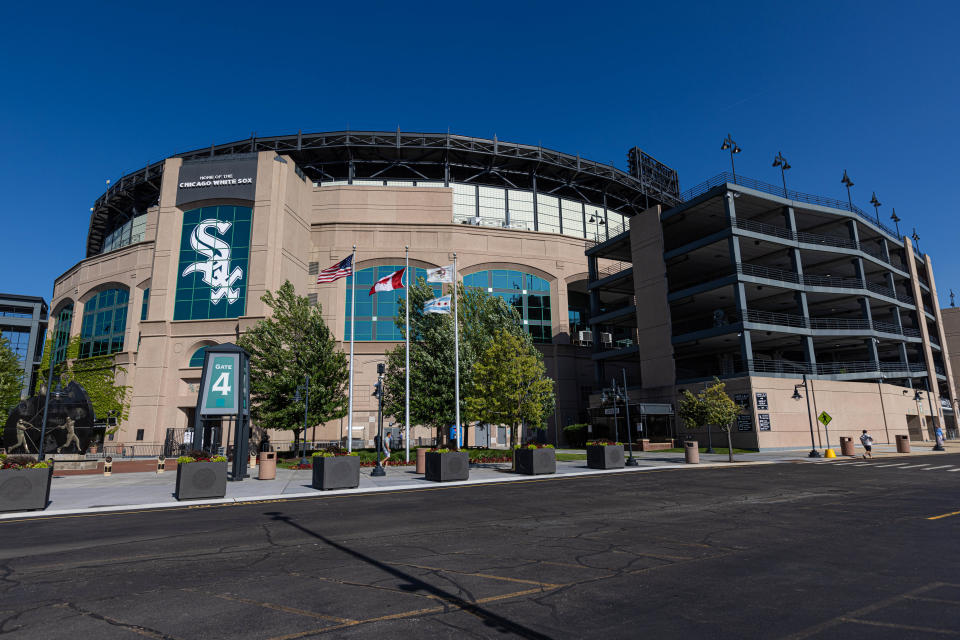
220	385
824	418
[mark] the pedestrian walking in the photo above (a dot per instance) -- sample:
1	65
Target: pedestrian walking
867	441
386	449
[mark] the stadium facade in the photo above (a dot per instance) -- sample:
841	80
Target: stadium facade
179	253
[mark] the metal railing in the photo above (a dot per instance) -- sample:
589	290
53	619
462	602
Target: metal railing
771	273
814	280
796	196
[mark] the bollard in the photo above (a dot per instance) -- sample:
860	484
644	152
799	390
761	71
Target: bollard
691	452
903	443
422	459
830	453
107	466
161	461
846	446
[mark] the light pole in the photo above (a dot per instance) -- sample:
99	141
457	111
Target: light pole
780	161
916	239
796	396
896	221
306	409
876	205
598	221
612	394
733	147
378	393
847	182
923	420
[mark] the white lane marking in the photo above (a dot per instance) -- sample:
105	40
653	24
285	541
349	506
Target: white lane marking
953	470
899	464
915	466
946	466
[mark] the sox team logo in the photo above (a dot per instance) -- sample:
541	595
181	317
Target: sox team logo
215	270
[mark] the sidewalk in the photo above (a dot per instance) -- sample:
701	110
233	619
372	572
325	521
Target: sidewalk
120	492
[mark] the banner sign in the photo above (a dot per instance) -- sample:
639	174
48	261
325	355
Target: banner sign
219	394
212	270
744	422
742	399
217	179
763	419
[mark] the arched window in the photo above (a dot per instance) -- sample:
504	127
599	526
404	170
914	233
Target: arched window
104	323
61	336
196	360
525	292
375	314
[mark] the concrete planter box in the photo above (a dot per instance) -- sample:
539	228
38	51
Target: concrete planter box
605	456
336	472
25	489
198	480
534	462
447	467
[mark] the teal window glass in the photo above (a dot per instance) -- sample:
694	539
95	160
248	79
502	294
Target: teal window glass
206	290
196	360
525	292
61	336
104	323
375	314
145	307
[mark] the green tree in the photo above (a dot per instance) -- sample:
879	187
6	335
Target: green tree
11	378
510	385
711	406
292	343
98	377
481	316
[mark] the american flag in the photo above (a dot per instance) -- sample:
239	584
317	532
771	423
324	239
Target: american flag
340	270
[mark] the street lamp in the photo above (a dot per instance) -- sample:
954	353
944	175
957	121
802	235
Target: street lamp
847	182
598	221
796	396
780	161
876	205
728	143
916	239
923	421
896	221
378	394
306	408
613	394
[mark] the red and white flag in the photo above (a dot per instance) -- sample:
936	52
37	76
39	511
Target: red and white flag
388	283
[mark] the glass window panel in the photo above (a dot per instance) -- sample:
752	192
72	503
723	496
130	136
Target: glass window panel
572	218
196	360
548	214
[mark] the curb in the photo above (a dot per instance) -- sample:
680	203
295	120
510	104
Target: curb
157	506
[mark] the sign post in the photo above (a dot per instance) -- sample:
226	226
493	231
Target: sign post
225	392
825	419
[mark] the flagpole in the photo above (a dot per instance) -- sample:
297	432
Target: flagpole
353	313
456	354
406	395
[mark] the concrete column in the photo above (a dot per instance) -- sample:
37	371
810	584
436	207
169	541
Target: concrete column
924	333
948	369
593	274
746	349
808	348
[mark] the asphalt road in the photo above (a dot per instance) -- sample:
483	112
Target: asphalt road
796	550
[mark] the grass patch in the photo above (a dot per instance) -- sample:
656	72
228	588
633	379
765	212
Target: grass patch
570	457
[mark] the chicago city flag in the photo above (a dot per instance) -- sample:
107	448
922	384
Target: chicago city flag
388	283
437	305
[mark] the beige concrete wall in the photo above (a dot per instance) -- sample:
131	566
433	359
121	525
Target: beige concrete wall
654	332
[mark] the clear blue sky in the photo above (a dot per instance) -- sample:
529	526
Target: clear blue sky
91	91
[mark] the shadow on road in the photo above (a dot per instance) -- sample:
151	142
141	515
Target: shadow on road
489	618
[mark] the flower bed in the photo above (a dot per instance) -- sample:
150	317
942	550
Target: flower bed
24	483
200	475
335	470
604	454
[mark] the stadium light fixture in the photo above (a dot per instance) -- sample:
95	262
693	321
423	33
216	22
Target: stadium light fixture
847	182
733	147
780	161
896	220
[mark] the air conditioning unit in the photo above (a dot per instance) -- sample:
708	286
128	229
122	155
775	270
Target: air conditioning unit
475	220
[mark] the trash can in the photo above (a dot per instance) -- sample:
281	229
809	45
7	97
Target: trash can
422	459
903	444
691	452
268	465
846	446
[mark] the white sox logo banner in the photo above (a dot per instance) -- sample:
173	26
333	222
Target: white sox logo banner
215	270
213	266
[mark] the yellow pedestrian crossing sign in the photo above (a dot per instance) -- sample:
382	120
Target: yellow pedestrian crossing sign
824	418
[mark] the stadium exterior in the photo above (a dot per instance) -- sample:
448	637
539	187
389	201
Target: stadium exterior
179	253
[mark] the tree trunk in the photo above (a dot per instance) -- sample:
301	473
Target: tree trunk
730	442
